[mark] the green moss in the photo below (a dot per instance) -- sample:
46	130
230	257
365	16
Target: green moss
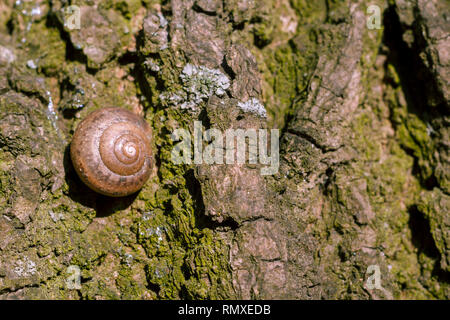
286	70
127	8
380	139
129	288
310	12
264	33
49	55
434	205
411	129
370	147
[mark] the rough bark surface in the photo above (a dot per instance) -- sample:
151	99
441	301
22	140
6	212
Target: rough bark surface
364	149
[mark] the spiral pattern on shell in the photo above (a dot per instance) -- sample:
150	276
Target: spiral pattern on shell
111	151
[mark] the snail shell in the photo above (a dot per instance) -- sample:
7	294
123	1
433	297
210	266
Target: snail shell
111	151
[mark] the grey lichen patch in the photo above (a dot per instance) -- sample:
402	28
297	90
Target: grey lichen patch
152	65
309	232
55	216
253	105
24	267
7	55
199	83
203	82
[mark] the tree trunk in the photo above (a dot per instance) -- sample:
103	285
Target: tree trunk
358	207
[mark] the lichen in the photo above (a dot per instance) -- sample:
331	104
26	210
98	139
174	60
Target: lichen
199	83
253	105
161	245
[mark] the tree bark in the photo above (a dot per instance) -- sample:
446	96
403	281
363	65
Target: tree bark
362	189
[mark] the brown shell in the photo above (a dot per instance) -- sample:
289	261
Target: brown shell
111	151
